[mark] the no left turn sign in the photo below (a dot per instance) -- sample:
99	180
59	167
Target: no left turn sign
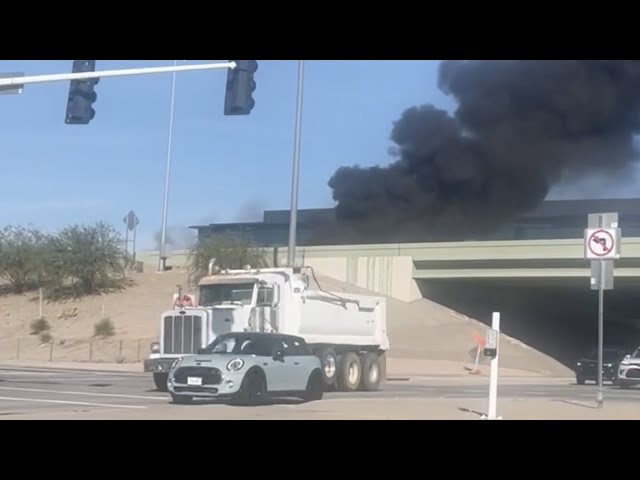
601	243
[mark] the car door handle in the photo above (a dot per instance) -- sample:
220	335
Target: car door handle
296	363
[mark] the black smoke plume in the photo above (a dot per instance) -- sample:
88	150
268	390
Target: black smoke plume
520	127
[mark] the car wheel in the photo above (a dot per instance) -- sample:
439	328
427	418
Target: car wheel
161	379
315	387
349	373
329	365
370	372
580	380
253	390
181	399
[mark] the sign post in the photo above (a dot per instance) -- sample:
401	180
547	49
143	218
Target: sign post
602	245
131	221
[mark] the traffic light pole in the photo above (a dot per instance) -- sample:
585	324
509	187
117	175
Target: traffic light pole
63	77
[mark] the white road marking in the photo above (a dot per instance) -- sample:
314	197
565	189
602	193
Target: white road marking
67	402
86	394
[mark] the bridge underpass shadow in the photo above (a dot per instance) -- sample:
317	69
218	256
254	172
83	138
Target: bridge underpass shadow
558	321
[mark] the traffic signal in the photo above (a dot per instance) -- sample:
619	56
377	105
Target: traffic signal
240	87
82	95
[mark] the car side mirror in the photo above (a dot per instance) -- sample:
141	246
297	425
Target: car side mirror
202	351
627	357
278	356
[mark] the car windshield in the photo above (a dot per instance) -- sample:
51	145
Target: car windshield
238	294
608	354
242	345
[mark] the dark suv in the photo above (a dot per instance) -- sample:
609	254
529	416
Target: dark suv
587	367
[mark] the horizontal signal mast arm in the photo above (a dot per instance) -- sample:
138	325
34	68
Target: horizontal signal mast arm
18	81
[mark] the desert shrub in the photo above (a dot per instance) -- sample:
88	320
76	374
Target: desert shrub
45	337
90	257
40	325
104	328
22	257
230	251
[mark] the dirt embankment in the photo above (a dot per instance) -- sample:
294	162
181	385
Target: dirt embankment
419	331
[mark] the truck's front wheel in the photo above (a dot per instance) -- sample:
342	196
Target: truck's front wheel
161	379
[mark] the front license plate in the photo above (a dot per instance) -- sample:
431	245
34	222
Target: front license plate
194	381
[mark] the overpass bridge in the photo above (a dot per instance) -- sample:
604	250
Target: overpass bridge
402	270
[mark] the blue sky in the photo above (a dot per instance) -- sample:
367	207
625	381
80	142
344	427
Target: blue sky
224	169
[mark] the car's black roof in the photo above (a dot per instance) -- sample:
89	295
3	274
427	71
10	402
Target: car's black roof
270	336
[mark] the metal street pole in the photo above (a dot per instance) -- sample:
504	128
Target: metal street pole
295	180
163	237
600	395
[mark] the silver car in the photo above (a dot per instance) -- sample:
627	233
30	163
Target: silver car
629	370
248	368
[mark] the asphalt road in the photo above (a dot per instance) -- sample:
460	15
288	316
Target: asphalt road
44	392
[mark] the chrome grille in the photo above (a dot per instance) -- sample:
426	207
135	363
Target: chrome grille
182	334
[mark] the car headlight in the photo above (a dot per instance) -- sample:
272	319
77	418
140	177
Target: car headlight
624	364
579	364
175	364
235	365
608	365
155	347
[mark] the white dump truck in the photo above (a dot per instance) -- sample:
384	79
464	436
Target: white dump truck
347	332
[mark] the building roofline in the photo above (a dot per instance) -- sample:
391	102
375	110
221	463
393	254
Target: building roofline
548	208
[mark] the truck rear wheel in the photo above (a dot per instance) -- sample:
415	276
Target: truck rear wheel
161	379
370	372
349	372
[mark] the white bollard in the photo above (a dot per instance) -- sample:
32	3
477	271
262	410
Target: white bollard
493	342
